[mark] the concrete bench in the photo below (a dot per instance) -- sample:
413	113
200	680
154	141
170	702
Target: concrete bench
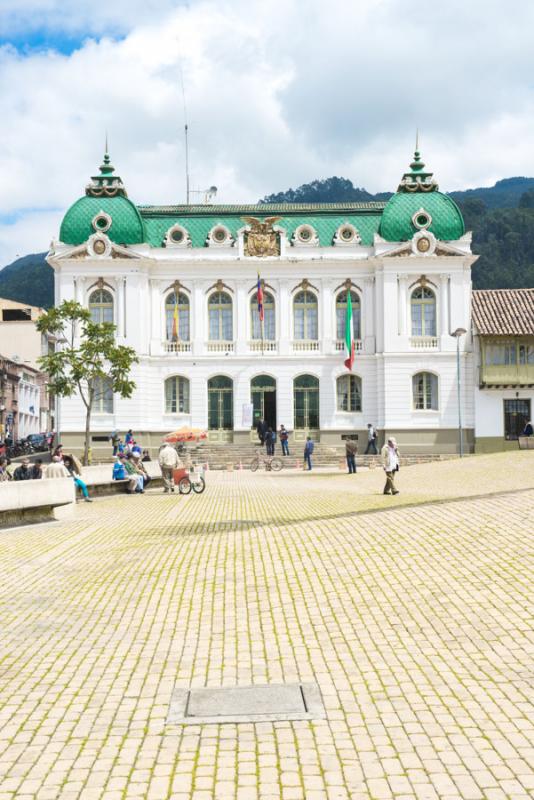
100	482
526	442
35	501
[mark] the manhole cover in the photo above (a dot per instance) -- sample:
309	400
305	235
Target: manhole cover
270	703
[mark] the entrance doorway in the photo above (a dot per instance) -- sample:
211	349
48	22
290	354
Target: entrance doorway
263	399
516	416
220	409
306	406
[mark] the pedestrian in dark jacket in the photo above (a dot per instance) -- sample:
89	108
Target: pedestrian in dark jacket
284	436
308	452
351	448
24	472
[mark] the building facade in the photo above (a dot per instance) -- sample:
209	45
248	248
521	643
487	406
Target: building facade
180	283
503	327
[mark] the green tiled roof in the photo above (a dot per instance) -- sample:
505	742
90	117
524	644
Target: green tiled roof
127	226
396	224
199	220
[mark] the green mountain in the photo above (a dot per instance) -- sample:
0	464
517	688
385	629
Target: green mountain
501	218
29	280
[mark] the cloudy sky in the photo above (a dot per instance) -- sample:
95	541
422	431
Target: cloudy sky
277	94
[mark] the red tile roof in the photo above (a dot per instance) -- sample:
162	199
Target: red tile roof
503	312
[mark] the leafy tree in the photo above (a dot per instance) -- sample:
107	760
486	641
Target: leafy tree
88	355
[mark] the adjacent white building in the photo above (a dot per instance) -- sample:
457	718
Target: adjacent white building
180	283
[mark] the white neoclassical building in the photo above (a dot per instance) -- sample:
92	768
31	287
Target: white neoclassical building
180	284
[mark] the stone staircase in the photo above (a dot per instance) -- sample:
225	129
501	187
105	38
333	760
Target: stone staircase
219	456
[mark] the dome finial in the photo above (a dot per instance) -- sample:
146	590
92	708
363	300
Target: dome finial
106	184
417	179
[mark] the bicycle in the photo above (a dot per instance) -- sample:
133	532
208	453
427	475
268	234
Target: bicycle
272	463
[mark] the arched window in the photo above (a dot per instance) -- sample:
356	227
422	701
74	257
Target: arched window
101	306
349	393
269	324
423	304
177	317
103	396
425	391
177	395
220	317
341	315
305	317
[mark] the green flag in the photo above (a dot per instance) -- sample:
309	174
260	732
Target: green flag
349	338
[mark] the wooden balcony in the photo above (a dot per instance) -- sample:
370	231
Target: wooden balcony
506	375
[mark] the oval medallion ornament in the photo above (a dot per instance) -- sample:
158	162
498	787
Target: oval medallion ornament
423	245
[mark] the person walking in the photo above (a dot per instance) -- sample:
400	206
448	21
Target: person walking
390	461
24	472
308	452
351	448
270	439
128	439
284	437
372	436
74	468
168	461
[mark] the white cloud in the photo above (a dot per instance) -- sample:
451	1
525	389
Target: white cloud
278	94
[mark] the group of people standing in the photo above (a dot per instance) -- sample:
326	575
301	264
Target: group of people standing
267	437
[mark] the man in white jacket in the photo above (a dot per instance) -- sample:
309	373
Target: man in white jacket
390	462
168	461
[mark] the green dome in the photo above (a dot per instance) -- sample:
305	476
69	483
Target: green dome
397	224
127	226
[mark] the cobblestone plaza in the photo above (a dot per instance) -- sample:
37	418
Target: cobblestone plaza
412	614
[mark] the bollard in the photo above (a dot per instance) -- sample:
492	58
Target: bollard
240	467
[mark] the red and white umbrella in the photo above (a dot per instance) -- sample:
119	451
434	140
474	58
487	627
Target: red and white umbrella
186	434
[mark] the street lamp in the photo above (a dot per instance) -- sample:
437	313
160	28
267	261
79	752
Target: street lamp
456	334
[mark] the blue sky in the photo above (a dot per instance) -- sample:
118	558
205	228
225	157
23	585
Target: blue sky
278	94
27	44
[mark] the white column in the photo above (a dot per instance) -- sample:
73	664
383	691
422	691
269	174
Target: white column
198	318
444	305
402	305
240	335
368	315
285	312
119	308
156	317
326	329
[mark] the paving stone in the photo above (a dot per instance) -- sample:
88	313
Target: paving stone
413	620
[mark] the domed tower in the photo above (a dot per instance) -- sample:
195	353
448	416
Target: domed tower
105	209
419	206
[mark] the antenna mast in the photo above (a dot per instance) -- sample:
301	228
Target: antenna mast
186	129
186	164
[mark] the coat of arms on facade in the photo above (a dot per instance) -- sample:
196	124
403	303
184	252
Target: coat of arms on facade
261	240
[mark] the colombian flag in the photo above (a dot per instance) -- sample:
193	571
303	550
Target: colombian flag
175	320
260	299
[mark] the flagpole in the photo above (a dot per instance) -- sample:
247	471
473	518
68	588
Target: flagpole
262	329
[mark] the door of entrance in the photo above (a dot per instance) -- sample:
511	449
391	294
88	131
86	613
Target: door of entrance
306	407
220	409
263	398
516	416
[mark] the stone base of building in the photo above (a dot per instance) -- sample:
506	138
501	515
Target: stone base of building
494	444
414	441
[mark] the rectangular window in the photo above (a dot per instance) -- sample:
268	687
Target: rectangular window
516	416
103	397
417	320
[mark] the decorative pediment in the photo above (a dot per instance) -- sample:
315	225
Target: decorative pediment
96	246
